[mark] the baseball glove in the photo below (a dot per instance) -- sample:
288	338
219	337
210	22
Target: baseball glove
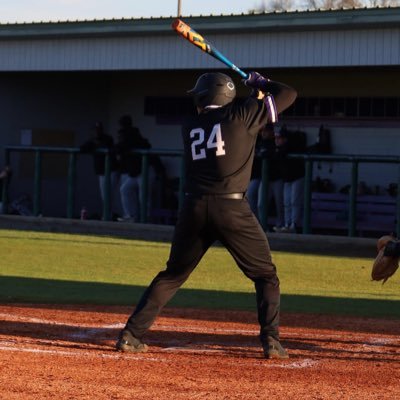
384	265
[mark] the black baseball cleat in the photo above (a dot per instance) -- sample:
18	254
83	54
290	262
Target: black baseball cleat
273	349
128	343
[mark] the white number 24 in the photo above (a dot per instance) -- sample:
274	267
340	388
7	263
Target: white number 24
214	141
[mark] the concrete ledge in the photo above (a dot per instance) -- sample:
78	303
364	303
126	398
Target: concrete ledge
91	227
338	246
317	244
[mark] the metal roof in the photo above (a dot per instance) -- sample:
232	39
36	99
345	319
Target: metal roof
275	21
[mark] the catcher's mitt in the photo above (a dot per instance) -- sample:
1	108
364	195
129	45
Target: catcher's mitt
384	266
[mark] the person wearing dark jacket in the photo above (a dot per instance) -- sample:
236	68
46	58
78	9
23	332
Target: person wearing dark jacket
266	148
102	141
292	173
5	176
130	139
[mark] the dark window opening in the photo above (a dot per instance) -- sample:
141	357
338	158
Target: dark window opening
350	107
176	108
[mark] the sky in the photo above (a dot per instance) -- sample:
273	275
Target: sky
61	10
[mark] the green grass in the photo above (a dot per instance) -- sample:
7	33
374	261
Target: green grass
61	268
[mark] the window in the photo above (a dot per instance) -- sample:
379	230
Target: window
338	107
350	107
365	107
173	109
392	107
168	106
326	107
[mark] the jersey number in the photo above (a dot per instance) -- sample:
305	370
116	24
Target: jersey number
214	141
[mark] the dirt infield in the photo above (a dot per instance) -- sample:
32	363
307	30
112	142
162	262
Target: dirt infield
67	352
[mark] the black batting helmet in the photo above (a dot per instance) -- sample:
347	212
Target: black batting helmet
213	88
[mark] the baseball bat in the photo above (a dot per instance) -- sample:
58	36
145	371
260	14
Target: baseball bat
195	38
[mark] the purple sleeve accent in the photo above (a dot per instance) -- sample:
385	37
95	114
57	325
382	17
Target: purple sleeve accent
271	108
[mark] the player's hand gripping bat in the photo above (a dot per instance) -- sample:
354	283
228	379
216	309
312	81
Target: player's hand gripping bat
195	38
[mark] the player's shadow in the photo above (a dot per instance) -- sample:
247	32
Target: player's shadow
45	335
215	305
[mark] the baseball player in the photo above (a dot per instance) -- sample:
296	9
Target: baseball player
219	150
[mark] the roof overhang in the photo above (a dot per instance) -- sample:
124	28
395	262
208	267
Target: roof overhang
367	18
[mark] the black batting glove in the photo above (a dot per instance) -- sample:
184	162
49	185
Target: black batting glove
257	81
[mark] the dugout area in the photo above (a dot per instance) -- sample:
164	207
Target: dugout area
62	77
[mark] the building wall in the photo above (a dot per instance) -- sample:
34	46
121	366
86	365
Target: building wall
73	101
276	49
62	77
54	103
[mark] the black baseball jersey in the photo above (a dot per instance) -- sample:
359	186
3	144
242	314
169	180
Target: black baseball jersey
219	146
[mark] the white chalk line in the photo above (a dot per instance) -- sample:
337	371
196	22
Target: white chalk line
88	332
94	329
79	353
307	363
15	318
368	342
187	328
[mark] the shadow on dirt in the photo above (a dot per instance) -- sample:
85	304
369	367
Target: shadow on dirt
306	310
244	343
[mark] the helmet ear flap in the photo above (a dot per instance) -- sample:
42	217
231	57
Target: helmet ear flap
200	100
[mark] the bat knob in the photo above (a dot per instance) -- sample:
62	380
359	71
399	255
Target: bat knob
175	23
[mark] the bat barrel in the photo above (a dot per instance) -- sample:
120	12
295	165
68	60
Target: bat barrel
196	39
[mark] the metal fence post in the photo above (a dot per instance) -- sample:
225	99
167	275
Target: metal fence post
4	194
398	207
71	185
307	196
264	205
144	188
353	198
107	188
37	193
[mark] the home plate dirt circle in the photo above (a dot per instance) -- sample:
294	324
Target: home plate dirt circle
67	352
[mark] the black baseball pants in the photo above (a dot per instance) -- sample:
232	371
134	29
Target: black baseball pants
203	220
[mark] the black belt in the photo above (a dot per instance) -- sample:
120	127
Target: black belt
234	196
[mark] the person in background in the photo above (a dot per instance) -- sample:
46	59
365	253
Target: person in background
265	148
323	144
5	175
101	140
254	190
292	172
130	139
